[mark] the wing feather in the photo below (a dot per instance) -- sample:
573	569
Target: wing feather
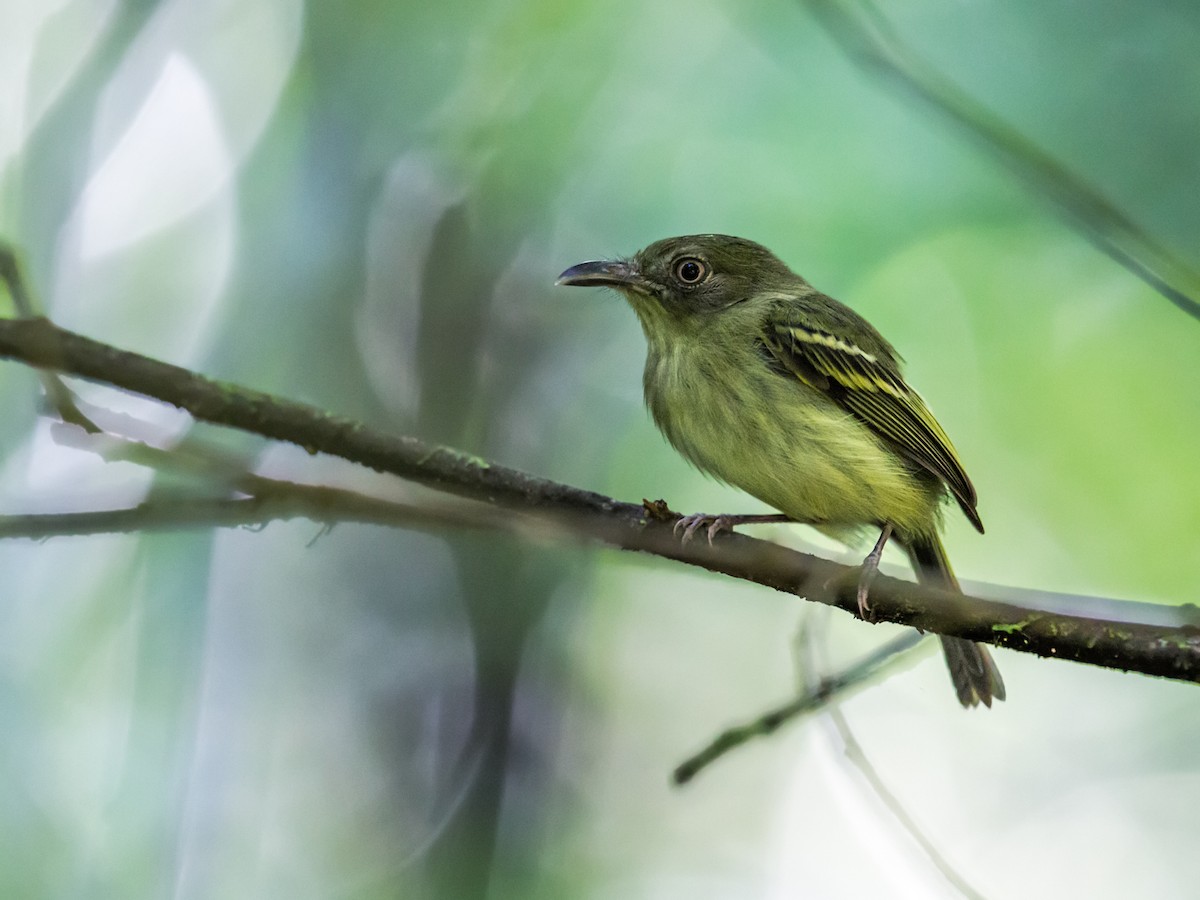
868	384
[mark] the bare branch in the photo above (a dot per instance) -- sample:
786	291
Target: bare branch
1169	648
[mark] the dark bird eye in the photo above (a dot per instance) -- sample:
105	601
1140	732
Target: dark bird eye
690	271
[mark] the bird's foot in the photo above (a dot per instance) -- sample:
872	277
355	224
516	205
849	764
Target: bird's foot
870	568
865	577
714	525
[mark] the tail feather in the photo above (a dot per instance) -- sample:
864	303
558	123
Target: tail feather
974	673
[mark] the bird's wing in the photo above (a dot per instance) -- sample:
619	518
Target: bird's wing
868	384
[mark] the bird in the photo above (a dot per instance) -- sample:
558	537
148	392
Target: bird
765	383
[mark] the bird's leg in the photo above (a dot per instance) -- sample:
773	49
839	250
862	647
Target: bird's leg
716	524
870	568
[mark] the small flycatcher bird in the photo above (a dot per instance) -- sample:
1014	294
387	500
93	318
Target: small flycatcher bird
762	381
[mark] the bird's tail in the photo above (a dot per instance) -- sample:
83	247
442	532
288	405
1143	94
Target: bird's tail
974	673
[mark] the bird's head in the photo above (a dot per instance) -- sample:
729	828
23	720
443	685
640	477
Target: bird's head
684	279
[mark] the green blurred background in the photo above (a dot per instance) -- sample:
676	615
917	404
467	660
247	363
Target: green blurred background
364	205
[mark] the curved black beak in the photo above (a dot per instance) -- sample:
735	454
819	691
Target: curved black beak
600	273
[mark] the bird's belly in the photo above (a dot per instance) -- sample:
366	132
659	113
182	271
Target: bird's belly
795	449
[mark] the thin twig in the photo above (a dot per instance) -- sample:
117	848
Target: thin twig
813	661
57	393
835	687
868	38
854	752
287	500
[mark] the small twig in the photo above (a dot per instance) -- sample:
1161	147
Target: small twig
192	458
854	752
57	393
812	661
869	38
10	274
826	690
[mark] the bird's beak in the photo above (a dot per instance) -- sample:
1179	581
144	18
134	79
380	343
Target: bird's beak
601	273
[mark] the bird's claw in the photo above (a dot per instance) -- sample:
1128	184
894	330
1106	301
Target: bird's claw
714	525
870	568
866	576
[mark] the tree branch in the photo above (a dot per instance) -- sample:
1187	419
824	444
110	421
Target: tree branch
287	500
1169	650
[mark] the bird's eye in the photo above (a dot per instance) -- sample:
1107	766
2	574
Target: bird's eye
690	270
